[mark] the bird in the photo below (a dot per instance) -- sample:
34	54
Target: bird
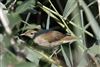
49	38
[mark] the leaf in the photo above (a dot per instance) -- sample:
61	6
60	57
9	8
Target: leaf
95	49
33	56
7	58
67	61
83	62
26	65
29	4
53	65
88	59
70	6
1	37
31	26
14	19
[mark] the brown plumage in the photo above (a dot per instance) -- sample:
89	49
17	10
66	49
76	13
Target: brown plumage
50	38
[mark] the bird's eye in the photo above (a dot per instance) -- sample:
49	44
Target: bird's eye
31	33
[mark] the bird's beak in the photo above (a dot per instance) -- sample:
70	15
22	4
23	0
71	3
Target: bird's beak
29	33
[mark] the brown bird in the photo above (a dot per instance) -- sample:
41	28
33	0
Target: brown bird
49	38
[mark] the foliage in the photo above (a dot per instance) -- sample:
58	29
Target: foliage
73	17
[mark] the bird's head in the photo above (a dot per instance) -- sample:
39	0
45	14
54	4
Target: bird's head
29	33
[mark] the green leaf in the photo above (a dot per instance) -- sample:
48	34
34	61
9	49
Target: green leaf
33	56
7	59
1	37
66	57
83	62
26	65
14	19
29	4
53	65
95	49
31	26
70	6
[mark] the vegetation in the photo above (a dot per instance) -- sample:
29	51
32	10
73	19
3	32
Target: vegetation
79	18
